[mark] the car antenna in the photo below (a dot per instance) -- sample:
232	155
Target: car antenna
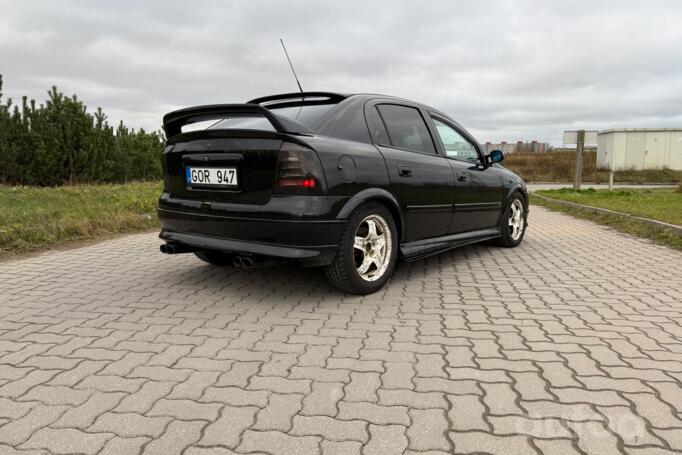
291	65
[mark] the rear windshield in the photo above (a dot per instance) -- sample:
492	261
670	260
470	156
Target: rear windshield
240	122
305	114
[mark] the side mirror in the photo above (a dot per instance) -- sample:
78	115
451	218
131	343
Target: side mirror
494	157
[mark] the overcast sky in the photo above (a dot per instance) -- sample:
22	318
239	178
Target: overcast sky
507	69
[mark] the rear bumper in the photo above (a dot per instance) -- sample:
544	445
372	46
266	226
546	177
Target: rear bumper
312	241
309	256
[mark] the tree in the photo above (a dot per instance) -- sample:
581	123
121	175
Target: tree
60	142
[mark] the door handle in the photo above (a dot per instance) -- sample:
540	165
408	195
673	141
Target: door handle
461	177
404	171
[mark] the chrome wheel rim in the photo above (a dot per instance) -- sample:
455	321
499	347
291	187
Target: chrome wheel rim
372	248
516	219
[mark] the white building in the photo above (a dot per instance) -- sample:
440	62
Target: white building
640	148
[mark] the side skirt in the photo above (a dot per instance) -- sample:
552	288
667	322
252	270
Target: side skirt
422	248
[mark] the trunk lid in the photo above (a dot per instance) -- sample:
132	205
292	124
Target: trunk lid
235	146
253	155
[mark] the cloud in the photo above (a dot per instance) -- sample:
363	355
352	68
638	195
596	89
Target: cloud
507	70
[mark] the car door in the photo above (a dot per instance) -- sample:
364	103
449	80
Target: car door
422	178
479	190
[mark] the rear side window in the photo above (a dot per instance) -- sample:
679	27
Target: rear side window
376	127
406	128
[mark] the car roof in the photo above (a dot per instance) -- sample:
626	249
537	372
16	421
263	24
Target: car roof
339	117
327	96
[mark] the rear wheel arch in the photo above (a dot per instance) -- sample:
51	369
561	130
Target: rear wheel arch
380	196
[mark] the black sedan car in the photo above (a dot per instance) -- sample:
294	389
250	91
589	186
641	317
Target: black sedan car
350	183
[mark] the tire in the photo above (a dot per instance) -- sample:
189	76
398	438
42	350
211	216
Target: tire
343	273
214	257
510	237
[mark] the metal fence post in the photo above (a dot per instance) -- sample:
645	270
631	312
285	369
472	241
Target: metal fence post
579	160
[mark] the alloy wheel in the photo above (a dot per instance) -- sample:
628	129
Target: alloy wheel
516	219
372	248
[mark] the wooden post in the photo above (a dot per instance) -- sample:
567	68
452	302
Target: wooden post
579	160
610	179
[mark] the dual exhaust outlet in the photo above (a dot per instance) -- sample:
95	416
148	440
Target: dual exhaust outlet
241	261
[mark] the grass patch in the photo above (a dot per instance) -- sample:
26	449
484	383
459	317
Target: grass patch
33	218
660	204
560	167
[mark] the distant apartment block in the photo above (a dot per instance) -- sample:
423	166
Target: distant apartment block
519	146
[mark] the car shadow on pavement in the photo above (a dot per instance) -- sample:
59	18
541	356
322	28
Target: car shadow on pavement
293	280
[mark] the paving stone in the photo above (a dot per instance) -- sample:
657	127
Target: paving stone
13	410
67	440
546	428
558	446
657	412
575	395
593	437
194	386
84	415
185	410
466	413
386	440
17	431
398	375
415	400
110	383
329	428
160	373
464	387
235	396
378	415
239	374
480	442
120	446
576	412
427	430
178	436
279	385
278	414
277	443
84	369
129	425
355	365
500	399
323	399
631	428
142	400
341	448
362	387
17	388
227	429
55	395
315	356
478	375
278	365
319	374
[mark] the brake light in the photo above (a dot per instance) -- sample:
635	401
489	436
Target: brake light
299	171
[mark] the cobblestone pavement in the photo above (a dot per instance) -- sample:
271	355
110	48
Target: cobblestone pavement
571	343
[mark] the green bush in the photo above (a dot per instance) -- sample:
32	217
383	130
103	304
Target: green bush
60	142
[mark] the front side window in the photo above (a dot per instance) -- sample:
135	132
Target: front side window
406	128
455	145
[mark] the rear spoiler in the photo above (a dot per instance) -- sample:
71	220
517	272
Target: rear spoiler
174	121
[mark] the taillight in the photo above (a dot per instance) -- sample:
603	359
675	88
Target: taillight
299	171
